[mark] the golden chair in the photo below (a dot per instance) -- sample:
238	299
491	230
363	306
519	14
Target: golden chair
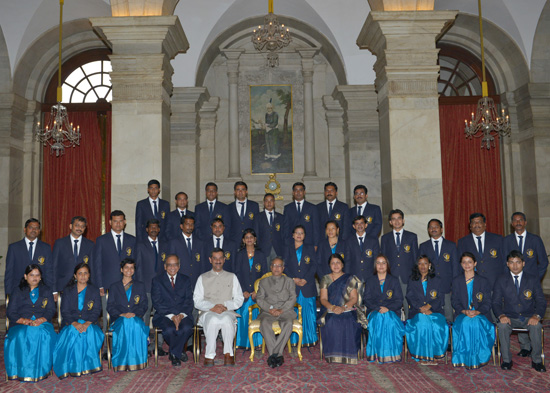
254	325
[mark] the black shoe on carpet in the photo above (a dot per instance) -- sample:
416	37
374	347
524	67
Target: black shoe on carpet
184	357
507	365
162	352
175	361
280	360
539	367
524	353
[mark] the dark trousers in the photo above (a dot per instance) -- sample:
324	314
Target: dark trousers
176	339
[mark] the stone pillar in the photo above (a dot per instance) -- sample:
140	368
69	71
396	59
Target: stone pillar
307	55
206	144
406	82
141	78
338	162
232	56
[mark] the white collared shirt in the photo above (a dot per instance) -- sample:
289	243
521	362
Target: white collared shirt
482	241
360	236
301	204
400	236
180	211
156	244
520	275
439	243
238	205
213	202
153	206
121	238
214	239
77	244
185	237
524	234
363	207
34	243
333	204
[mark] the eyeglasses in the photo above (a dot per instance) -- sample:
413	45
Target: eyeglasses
276	265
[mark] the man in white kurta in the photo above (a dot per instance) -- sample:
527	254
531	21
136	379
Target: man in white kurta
217	295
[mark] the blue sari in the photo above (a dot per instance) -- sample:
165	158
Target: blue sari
473	338
130	336
341	333
386	333
242	322
28	349
76	353
427	335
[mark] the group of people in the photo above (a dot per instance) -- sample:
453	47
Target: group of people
201	267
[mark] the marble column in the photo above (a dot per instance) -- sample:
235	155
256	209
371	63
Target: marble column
307	55
141	78
406	81
232	56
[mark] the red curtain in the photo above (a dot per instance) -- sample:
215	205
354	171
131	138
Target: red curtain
72	183
471	175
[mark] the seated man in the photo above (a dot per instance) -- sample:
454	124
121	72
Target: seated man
518	302
217	295
276	297
172	297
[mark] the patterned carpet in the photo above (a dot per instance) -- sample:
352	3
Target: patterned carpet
310	375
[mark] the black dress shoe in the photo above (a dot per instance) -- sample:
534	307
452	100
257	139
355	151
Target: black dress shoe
104	356
162	352
280	360
524	353
539	367
184	357
506	365
271	361
175	361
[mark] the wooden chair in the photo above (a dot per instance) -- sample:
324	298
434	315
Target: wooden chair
254	325
517	331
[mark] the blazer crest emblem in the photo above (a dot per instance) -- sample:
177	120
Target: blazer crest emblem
407	248
90	305
308	260
530	253
307	217
218	216
129	252
251	216
198	257
41	260
44	303
369	219
389	293
337	216
277	227
258	267
163	256
528	294
446	257
137	298
85	259
433	294
163	214
493	253
479	296
368	253
227	255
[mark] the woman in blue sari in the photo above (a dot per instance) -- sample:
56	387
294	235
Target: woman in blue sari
30	340
300	265
473	334
331	244
126	306
340	320
427	331
384	299
77	349
250	264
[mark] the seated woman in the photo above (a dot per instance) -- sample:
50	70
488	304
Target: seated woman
473	334
300	265
250	264
427	331
383	298
340	320
30	341
126	306
77	349
331	244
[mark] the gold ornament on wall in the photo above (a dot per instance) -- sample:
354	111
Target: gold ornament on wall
274	187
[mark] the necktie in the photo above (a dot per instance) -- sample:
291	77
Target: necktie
329	209
155	210
30	250
359	210
211	209
189	246
270	219
75	251
218	242
521	244
361	242
298	205
172	281
479	246
436	242
398	240
516	282
119	246
242	210
154	243
181	213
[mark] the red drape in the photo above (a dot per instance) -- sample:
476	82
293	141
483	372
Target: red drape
72	182
471	175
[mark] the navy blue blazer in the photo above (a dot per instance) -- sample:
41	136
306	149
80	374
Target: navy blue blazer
21	306
306	269
434	296
324	252
402	261
523	305
119	304
230	249
446	265
168	300
105	262
238	226
203	219
481	295
191	264
144	213
534	253
246	275
18	259
63	259
146	265
172	223
339	214
308	218
390	297
361	262
493	261
372	213
69	305
271	236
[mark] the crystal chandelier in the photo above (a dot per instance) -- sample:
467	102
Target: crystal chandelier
486	122
271	37
59	133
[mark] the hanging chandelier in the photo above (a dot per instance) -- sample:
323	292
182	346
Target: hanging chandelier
59	133
271	37
486	122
